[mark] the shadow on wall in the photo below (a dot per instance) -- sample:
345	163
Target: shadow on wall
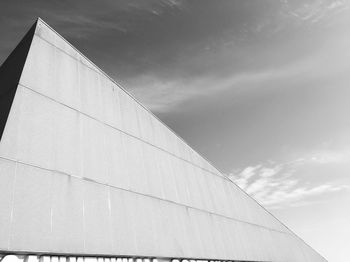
10	74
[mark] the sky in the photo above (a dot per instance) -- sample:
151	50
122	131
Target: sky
260	88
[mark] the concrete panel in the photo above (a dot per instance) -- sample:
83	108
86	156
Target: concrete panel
206	195
31	222
122	227
67	124
67	214
180	181
167	176
218	237
198	199
36	123
225	205
143	226
7	178
116	160
97	219
134	164
231	243
160	233
194	231
229	204
201	223
151	171
185	241
94	156
170	241
236	243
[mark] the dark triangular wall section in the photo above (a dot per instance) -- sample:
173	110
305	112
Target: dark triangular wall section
10	74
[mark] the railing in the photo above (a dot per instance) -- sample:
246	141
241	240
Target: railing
49	258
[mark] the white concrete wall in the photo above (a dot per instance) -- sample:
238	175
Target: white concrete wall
86	169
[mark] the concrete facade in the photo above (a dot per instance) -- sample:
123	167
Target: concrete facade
86	169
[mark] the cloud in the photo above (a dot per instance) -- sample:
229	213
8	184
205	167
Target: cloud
326	157
163	93
166	94
314	11
278	185
323	157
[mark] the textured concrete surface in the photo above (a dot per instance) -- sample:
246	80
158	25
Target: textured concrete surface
86	169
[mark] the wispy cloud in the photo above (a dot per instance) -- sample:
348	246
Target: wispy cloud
327	156
278	185
314	11
165	94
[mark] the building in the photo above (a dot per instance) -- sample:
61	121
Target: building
87	171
